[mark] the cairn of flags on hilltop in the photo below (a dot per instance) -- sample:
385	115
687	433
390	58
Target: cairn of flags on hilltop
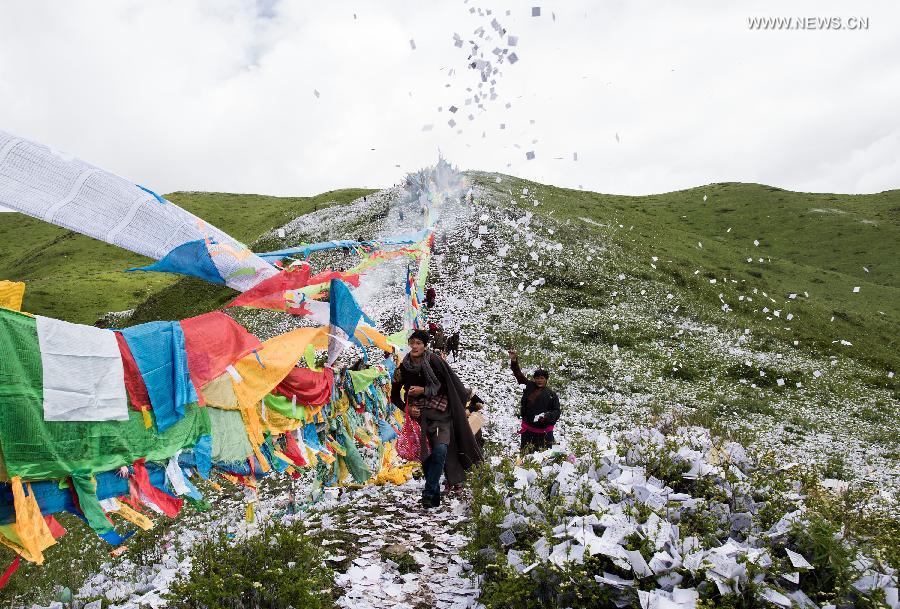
117	426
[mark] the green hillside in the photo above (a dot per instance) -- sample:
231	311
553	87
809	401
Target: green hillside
627	319
818	247
79	279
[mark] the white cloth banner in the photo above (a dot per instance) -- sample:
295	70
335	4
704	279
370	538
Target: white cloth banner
320	311
83	375
70	193
175	476
337	342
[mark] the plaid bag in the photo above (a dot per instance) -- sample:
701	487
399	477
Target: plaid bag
438	402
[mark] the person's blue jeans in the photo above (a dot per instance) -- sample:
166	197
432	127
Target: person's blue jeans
434	467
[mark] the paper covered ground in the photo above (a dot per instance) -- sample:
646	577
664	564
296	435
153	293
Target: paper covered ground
685	448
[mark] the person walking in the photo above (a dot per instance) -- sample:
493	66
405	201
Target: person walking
539	408
476	418
431	392
439	342
452	346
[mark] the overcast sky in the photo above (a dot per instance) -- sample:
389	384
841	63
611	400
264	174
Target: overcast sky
219	95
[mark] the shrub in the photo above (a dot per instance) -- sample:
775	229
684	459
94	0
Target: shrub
822	544
277	568
835	468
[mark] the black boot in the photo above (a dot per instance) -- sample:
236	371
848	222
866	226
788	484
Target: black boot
431	501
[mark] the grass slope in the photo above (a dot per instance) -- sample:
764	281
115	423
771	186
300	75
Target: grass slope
817	246
79	279
804	250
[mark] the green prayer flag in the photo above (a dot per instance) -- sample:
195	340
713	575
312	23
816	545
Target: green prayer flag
363	378
86	489
354	461
36	449
399	338
230	442
285	407
310	356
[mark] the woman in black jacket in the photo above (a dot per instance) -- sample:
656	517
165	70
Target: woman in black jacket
539	408
436	397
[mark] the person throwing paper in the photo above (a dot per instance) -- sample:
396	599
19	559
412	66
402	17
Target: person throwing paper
539	409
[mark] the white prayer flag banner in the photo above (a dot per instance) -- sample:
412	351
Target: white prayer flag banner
84	379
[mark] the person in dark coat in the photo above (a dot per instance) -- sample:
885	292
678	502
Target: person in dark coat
539	408
476	404
436	397
430	297
439	342
452	345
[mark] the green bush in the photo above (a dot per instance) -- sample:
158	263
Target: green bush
836	468
546	586
277	568
821	543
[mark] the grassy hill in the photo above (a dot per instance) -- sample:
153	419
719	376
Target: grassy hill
79	279
639	329
817	247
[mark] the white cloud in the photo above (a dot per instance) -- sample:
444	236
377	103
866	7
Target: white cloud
190	95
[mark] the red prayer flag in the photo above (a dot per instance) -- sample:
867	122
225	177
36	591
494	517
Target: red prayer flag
167	503
311	387
269	294
213	342
56	529
288	279
134	382
12	568
292	450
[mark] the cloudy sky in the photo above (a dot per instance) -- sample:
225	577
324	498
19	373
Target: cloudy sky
651	96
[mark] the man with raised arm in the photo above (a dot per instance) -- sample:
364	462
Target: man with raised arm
539	408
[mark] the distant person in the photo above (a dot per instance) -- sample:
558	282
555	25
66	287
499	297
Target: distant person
430	297
539	408
436	398
453	345
439	342
476	419
401	215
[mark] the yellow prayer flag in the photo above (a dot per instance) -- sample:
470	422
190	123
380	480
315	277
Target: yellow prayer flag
270	364
11	294
30	530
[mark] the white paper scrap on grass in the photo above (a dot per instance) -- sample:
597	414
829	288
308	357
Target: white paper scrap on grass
798	560
84	379
775	597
